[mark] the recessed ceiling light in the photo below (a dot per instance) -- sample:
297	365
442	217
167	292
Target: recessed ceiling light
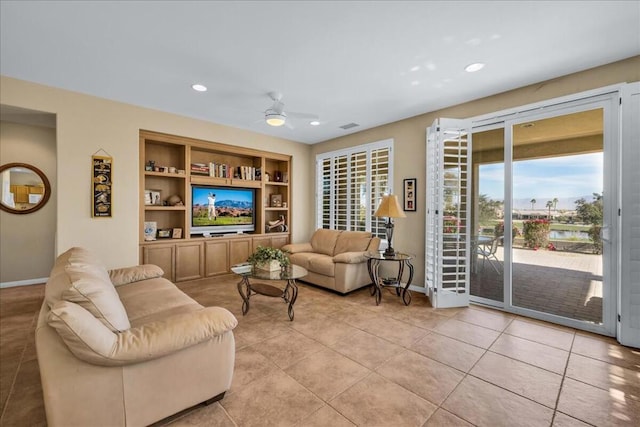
314	123
472	68
199	87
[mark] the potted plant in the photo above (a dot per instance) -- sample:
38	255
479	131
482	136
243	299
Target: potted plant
270	259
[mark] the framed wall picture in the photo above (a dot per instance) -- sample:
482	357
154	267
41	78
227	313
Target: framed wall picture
410	194
101	186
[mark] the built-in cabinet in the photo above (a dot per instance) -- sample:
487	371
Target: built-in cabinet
170	165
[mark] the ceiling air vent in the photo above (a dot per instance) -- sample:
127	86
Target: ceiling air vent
349	126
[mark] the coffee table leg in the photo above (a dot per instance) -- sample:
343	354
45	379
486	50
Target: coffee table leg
245	292
290	295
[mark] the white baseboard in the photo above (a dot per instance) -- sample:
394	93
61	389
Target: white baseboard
23	282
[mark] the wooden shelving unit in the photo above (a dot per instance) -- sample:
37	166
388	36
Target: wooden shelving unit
191	257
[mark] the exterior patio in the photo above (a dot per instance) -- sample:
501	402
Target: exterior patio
567	284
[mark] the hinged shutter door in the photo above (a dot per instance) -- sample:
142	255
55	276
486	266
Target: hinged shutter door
629	297
447	234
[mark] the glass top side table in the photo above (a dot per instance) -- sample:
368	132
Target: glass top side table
374	259
246	288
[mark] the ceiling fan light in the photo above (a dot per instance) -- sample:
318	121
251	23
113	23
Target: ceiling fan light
275	119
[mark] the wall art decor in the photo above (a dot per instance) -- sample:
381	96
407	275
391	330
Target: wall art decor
101	186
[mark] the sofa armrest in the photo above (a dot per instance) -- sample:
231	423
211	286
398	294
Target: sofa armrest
294	248
350	258
89	340
122	276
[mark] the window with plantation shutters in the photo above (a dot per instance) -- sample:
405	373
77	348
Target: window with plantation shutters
351	183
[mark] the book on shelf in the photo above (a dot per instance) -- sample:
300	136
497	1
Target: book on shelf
199	169
248	173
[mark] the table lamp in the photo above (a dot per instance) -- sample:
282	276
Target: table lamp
389	208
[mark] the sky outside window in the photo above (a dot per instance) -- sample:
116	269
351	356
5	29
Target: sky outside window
566	178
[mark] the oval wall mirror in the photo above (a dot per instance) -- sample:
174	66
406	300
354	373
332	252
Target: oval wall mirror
24	188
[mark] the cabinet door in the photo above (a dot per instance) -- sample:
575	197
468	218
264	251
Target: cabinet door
216	258
261	241
279	241
20	193
189	261
162	256
239	250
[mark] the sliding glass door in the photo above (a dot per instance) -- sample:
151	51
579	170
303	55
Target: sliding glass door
487	212
544	212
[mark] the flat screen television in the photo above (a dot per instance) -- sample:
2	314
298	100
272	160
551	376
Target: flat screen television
222	210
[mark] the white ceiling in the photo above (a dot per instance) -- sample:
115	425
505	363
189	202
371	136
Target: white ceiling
368	62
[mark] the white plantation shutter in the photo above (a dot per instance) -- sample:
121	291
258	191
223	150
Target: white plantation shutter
358	192
447	239
340	184
350	185
629	299
325	194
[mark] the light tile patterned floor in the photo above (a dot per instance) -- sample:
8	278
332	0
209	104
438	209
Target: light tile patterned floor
344	361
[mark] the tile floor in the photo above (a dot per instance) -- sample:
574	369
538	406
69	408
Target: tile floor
344	361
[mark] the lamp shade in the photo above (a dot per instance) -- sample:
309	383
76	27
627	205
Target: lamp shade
389	208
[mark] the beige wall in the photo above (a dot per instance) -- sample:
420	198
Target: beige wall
28	241
86	124
409	139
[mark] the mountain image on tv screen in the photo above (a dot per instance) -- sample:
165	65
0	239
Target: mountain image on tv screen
221	206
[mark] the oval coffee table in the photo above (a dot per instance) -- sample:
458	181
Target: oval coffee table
246	288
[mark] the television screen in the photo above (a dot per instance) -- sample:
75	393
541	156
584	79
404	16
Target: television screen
222	209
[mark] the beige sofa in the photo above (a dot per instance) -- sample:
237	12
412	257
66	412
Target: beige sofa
335	259
126	347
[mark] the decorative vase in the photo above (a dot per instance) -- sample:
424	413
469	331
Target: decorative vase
272	265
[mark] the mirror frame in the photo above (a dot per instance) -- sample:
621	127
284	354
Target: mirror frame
45	181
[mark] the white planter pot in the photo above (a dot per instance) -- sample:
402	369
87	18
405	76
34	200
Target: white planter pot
270	266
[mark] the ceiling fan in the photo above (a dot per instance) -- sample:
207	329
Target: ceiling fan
276	116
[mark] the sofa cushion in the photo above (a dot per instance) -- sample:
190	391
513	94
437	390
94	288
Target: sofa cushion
322	265
91	288
324	241
352	241
123	276
58	278
152	299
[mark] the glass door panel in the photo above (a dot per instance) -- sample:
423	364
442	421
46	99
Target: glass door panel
557	211
487	217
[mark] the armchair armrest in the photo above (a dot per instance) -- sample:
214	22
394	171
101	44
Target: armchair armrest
349	258
122	276
294	248
89	340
